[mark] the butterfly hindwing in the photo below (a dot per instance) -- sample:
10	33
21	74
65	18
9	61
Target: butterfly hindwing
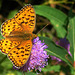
6	45
19	55
26	18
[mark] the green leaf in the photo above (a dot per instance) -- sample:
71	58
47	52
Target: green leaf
0	30
10	73
1	69
5	62
11	14
72	71
30	73
1	36
71	33
56	50
56	17
17	72
49	68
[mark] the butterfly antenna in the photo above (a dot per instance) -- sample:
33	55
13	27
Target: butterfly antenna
43	28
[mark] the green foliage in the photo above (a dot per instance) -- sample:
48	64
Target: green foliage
48	68
56	17
30	73
55	50
1	36
0	30
12	14
5	62
71	33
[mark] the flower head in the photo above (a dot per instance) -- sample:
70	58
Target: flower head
38	58
65	44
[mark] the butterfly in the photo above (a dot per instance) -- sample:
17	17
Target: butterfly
17	31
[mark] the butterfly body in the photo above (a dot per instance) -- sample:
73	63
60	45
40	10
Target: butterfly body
18	35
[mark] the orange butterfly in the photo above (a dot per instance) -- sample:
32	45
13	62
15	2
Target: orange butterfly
18	36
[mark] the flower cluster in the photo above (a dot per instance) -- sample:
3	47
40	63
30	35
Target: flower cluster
38	58
65	44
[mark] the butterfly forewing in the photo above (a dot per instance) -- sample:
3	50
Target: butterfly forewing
26	18
24	21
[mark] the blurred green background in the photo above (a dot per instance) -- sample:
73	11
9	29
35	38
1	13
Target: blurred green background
58	14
